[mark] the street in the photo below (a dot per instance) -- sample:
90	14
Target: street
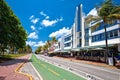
94	72
51	72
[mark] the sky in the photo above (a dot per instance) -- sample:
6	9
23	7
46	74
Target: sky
43	19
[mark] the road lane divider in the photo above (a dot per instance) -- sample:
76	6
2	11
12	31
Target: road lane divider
40	77
54	72
43	65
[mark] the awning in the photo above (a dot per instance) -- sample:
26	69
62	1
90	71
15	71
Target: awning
65	50
75	49
100	47
50	52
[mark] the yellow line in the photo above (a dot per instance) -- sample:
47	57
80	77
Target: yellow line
55	73
18	68
43	65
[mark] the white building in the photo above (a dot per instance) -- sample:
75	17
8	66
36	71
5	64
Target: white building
82	35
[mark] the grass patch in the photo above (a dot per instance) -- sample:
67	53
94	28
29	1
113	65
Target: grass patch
7	57
13	56
51	72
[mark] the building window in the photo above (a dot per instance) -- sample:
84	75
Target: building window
93	38
108	34
119	32
67	44
96	37
102	36
80	41
67	38
111	34
79	34
115	33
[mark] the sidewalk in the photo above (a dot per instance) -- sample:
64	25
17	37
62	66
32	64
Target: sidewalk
7	69
27	68
91	63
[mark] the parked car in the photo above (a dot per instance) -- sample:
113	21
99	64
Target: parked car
117	58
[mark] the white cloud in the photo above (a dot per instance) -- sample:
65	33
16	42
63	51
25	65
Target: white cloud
30	43
35	20
40	43
32	27
31	17
59	39
43	14
47	17
93	12
33	35
61	19
47	22
35	44
60	32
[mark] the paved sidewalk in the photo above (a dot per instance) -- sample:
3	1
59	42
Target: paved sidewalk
7	69
27	68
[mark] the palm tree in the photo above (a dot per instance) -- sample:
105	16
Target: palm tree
48	43
108	12
54	40
38	50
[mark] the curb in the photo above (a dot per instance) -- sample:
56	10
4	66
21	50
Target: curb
18	68
36	72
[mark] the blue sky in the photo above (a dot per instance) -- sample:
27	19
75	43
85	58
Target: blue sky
43	19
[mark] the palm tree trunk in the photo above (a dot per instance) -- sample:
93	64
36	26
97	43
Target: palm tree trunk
106	43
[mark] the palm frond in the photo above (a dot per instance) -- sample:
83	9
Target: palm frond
91	18
95	26
115	10
114	16
105	10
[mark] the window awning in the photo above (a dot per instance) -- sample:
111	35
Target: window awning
50	52
65	50
100	47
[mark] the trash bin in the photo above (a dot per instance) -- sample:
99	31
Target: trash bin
110	61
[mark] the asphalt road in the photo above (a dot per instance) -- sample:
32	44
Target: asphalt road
90	71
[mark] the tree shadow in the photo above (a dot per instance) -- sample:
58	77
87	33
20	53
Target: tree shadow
2	78
14	61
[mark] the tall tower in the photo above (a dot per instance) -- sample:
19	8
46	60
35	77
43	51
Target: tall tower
82	27
79	27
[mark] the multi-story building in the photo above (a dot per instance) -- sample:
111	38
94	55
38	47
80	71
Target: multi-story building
98	34
79	27
84	36
68	41
65	43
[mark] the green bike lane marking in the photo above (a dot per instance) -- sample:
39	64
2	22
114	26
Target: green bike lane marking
51	72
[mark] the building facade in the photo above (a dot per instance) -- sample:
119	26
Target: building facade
84	37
